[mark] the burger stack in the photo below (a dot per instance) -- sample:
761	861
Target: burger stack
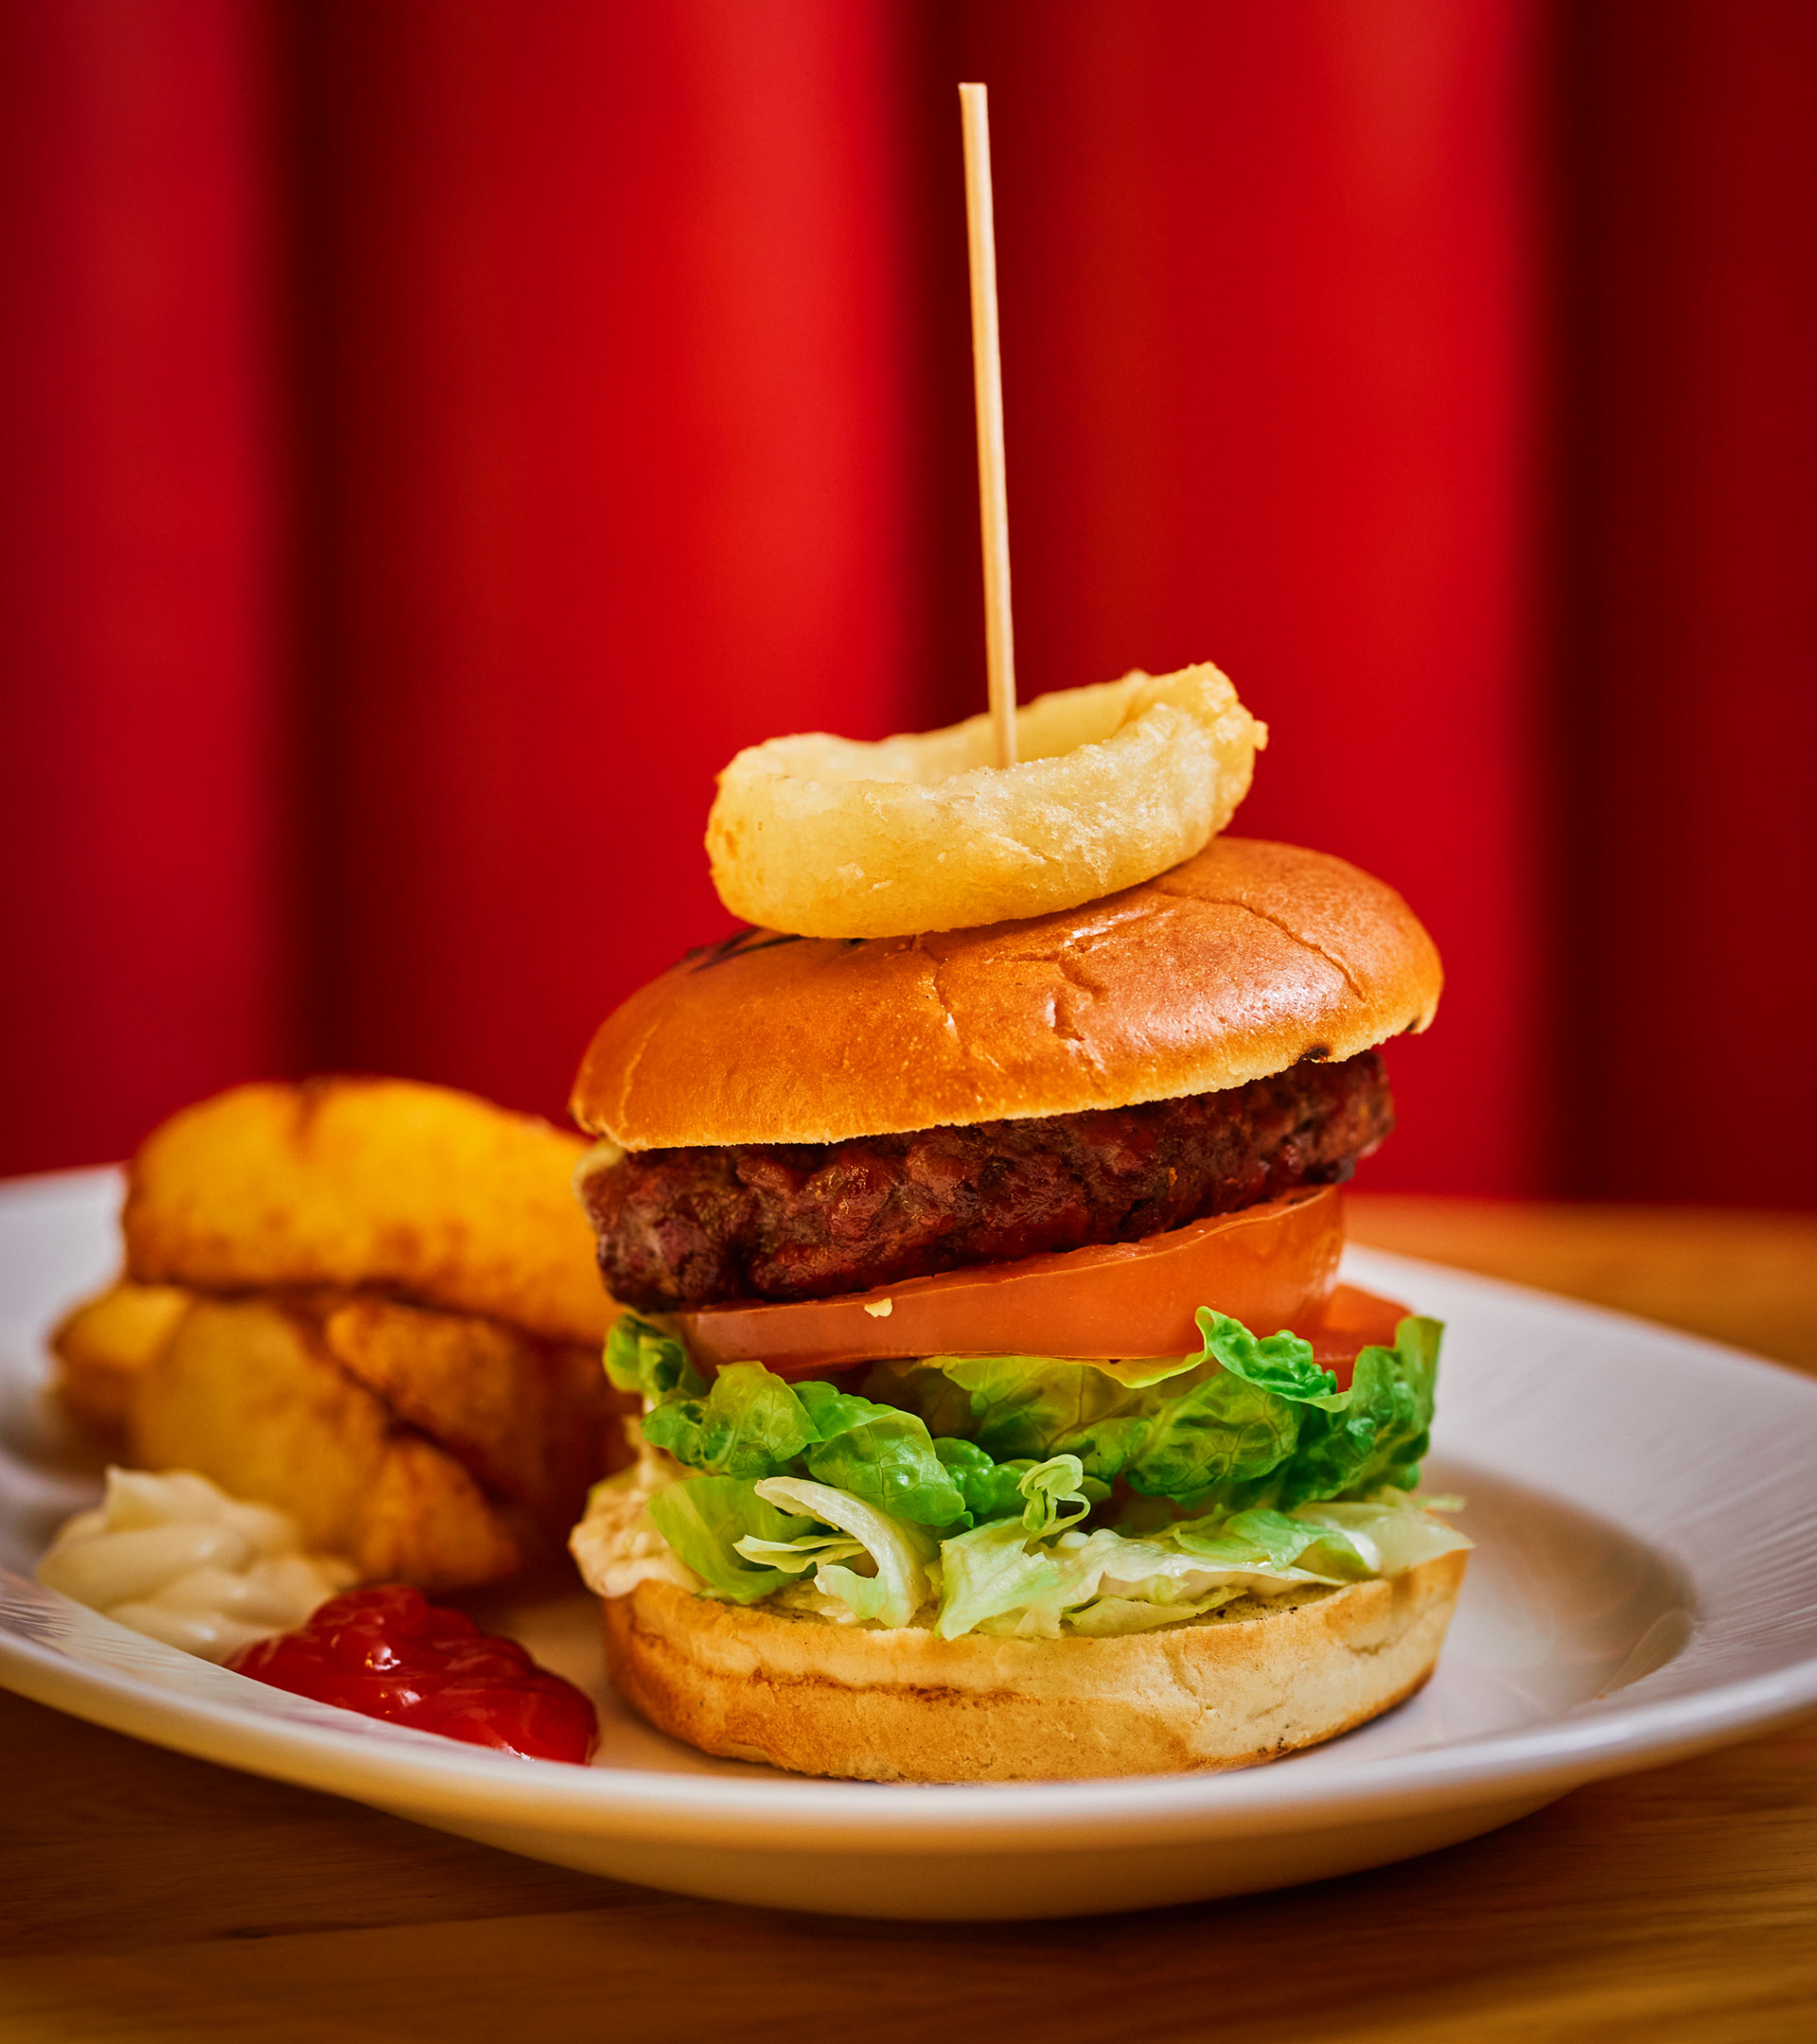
1005	1416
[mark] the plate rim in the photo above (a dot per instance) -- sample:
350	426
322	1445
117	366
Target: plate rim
900	1816
393	1767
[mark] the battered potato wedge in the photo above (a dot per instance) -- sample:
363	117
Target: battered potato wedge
247	1392
104	1344
377	1182
532	1419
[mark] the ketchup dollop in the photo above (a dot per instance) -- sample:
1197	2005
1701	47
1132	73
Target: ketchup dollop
389	1652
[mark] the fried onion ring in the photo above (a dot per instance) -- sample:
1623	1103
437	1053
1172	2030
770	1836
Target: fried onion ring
1115	783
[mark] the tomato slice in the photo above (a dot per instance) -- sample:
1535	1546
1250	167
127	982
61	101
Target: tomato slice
1269	1266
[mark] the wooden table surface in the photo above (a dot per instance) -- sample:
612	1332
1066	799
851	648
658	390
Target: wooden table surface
143	1895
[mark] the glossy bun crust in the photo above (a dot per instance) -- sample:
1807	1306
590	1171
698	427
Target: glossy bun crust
1251	1683
1231	966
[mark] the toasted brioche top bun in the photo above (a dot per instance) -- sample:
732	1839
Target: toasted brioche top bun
1251	1682
1233	966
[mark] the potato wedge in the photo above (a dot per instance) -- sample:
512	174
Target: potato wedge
426	1522
533	1420
247	1392
375	1183
103	1345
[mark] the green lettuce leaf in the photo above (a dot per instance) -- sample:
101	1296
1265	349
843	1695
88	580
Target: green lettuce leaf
750	1424
703	1519
1247	1421
881	1454
1279	1363
998	1582
642	1358
1240	1437
1016	1408
1375	1434
1178	1437
1034	1575
1219	1430
990	1489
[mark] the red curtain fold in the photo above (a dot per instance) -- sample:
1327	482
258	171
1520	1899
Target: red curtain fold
608	473
1686	712
143	799
442	432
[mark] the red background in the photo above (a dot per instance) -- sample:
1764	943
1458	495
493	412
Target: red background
438	432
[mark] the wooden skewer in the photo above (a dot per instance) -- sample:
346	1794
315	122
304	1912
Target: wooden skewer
987	378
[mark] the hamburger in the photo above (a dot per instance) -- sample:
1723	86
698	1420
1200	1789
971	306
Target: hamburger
1004	1416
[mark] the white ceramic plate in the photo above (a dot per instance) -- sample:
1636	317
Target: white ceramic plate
1645	1586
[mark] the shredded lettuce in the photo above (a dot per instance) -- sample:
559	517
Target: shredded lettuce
1054	1495
1110	1618
1037	1576
1107	1583
796	1557
993	1570
898	1585
1270	1540
1073	1574
704	1518
1390	1532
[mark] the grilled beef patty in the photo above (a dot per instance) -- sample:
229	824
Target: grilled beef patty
701	1226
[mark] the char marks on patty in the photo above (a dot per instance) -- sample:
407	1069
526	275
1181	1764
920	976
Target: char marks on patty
702	1226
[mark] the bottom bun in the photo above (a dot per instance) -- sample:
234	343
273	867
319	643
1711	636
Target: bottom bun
1246	1684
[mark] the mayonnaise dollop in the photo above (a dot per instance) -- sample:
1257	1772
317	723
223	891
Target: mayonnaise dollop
171	1555
617	1545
